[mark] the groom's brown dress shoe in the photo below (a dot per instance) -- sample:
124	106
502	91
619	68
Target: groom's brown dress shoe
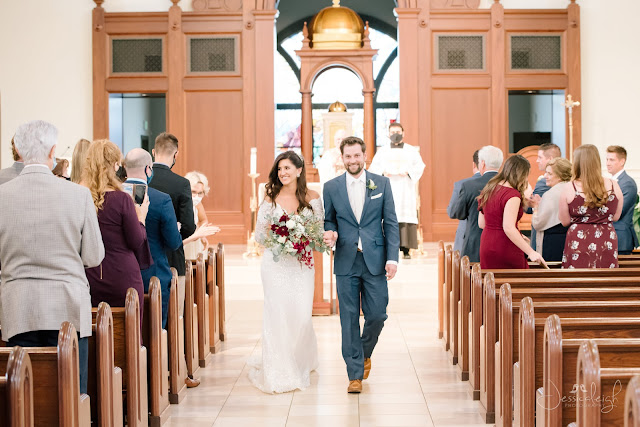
355	386
191	382
367	368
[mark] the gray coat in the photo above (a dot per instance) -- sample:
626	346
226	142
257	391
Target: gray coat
462	224
627	239
48	233
7	174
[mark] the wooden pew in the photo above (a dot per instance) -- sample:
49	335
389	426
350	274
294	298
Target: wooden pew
632	403
440	288
202	303
601	381
56	381
16	390
447	286
155	339
560	360
507	347
463	320
487	333
190	321
214	302
175	324
104	384
454	305
131	356
532	356
220	283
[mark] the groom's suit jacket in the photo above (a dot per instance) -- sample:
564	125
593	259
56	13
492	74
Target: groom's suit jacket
377	228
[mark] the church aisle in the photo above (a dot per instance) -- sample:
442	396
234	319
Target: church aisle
412	381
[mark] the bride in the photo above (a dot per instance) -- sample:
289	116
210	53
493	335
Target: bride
289	348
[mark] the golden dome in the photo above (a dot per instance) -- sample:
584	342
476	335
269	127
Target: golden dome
336	27
337	107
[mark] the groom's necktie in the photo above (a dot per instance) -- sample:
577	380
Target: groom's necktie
357	198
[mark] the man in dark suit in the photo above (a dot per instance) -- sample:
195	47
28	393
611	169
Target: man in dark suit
161	225
462	224
627	238
466	206
546	152
165	153
7	174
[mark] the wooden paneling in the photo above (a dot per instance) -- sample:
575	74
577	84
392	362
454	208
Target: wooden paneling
461	119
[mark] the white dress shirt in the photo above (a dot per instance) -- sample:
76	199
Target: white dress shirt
356	188
617	175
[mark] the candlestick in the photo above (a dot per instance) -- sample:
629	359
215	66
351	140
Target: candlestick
254	161
253	249
569	105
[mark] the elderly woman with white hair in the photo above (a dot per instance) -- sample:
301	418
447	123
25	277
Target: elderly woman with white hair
198	241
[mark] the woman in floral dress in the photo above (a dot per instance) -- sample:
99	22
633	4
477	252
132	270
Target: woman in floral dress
590	205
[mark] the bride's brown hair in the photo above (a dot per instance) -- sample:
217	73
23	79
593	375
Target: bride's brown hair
273	186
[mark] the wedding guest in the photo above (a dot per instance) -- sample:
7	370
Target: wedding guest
161	225
77	159
550	233
500	204
616	159
7	174
196	243
462	224
590	205
43	276
122	223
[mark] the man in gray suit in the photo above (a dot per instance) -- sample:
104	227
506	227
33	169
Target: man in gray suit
7	174
43	278
627	239
462	224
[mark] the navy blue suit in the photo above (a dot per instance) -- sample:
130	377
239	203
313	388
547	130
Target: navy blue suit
462	224
163	237
627	239
466	207
360	275
541	188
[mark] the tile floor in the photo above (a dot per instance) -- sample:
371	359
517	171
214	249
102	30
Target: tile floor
412	381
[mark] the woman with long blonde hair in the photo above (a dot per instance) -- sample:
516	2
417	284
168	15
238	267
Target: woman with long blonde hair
122	224
590	205
77	160
500	205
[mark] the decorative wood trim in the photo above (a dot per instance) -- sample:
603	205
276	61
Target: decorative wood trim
574	70
100	95
140	36
218	36
455	4
499	96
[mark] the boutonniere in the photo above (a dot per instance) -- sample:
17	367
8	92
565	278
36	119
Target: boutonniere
371	185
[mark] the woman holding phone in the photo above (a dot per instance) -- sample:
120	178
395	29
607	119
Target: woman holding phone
122	224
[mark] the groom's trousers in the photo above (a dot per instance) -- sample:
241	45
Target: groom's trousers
360	285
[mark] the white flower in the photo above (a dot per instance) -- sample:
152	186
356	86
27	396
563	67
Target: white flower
571	266
610	217
612	265
582	210
598	233
574	245
592	247
581	234
615	254
575	256
290	224
610	197
573	227
609	245
603	209
612	235
564	258
282	239
585	218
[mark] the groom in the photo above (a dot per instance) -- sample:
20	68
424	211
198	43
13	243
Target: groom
361	217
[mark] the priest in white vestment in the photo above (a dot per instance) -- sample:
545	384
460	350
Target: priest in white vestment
331	164
402	164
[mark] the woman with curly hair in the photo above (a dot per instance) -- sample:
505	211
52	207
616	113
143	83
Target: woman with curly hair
122	224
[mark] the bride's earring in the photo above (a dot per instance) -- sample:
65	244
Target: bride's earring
298	175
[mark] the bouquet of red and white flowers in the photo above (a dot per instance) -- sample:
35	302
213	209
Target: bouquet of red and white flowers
296	235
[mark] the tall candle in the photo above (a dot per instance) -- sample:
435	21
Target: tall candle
254	160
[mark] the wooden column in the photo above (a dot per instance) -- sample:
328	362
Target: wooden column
573	72
369	124
306	131
100	96
175	105
499	98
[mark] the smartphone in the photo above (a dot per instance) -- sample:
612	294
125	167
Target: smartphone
136	191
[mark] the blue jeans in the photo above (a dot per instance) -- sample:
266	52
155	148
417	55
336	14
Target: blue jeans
50	339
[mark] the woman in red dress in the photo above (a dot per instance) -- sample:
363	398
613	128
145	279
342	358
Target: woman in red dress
500	205
590	205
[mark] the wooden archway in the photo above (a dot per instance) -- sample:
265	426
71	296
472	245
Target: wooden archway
314	62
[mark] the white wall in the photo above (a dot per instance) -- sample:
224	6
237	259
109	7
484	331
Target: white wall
45	67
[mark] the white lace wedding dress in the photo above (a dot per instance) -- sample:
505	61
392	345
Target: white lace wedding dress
289	347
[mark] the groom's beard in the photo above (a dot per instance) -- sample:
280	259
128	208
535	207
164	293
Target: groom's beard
358	168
